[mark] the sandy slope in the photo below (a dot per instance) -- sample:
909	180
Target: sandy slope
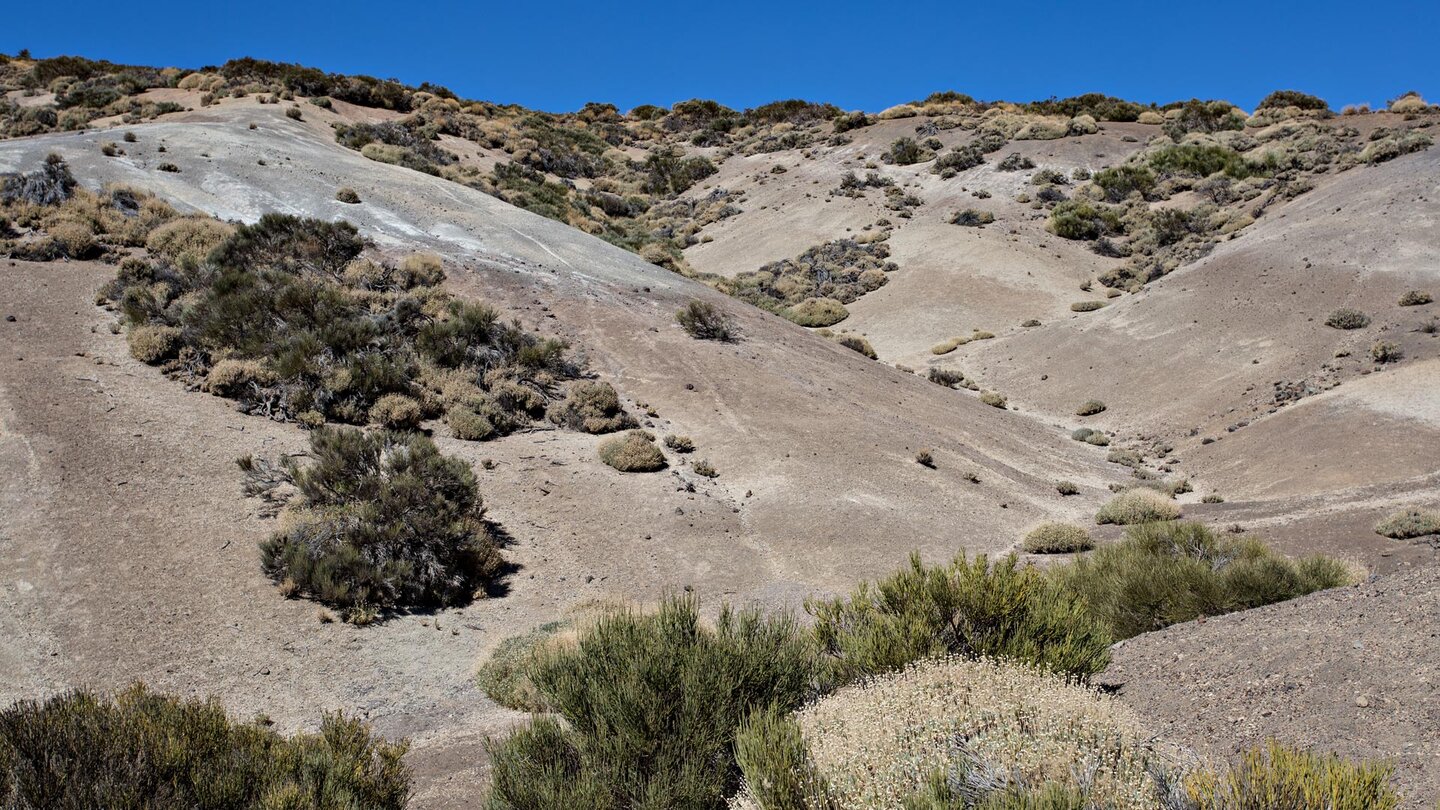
135	555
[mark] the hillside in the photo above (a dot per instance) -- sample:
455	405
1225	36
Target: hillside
137	554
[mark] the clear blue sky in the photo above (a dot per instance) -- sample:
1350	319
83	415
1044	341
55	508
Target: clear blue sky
858	54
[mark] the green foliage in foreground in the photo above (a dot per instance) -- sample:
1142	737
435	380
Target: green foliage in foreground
651	703
145	750
1165	573
969	608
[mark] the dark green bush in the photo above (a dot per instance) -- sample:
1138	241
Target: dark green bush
1200	160
669	172
1168	572
1347	318
1293	98
1122	181
386	522
651	704
969	608
1202	116
905	152
1096	105
1078	219
145	751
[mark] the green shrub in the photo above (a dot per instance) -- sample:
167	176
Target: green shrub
651	704
384	521
1078	219
633	452
467	425
669	172
1293	98
1347	318
1164	573
1067	488
593	407
1122	181
1057	538
1409	523
505	677
1415	298
994	399
188	240
841	270
1201	160
1137	506
1090	436
851	120
1015	162
294	113
705	321
816	312
140	750
704	468
1090	407
1086	306
1385	351
906	152
1278	776
969	608
347	195
770	751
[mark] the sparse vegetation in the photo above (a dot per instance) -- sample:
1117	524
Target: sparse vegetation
994	399
1067	488
1415	298
973	218
680	444
144	750
633	452
1090	407
347	195
925	459
1090	436
817	312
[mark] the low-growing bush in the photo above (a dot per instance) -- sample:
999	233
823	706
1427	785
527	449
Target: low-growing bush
633	452
857	344
973	218
347	195
1164	573
952	733
188	240
994	399
1279	776
1079	219
1090	407
51	184
153	343
925	459
384	521
1015	162
817	312
1409	523
680	444
1057	538
1385	351
142	750
1090	436
505	676
905	152
705	321
650	704
1067	488
704	468
1086	306
970	608
397	412
1137	506
1347	318
593	407
1122	181
1415	298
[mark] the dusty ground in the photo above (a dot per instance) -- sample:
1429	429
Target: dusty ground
1354	670
133	555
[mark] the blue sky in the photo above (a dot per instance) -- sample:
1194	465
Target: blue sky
859	55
